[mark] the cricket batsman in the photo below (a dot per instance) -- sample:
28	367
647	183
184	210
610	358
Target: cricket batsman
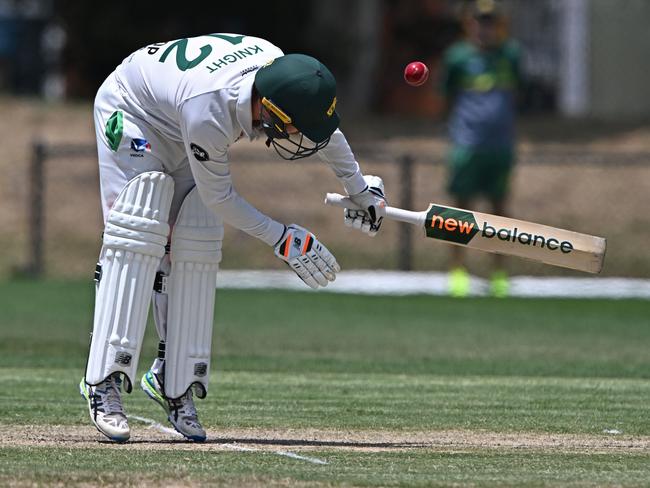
165	119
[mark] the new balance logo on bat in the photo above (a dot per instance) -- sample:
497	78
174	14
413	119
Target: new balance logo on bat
459	226
526	238
450	224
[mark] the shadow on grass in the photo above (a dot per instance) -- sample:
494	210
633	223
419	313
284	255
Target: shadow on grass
272	442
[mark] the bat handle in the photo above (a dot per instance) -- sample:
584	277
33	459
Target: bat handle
392	213
337	200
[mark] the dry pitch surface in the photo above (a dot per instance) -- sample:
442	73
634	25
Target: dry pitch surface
304	440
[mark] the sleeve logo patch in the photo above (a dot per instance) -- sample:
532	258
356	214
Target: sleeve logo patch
199	153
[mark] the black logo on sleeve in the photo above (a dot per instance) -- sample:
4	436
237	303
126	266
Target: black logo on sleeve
199	153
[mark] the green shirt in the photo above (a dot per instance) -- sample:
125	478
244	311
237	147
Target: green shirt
481	87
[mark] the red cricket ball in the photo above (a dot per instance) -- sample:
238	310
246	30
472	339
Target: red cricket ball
416	73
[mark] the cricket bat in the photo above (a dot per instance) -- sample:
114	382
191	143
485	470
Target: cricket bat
500	235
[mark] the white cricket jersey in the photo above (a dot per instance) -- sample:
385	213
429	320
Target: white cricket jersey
197	92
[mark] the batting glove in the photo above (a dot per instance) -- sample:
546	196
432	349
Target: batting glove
310	259
373	201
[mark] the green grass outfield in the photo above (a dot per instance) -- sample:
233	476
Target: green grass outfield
389	391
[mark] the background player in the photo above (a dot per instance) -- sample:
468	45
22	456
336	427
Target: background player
165	119
480	78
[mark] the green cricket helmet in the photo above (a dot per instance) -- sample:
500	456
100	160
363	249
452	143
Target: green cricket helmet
297	90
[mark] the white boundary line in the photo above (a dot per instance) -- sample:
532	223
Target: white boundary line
368	282
233	447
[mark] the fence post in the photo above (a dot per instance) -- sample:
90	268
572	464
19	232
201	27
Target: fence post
36	221
405	242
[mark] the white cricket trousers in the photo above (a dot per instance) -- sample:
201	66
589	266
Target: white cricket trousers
140	149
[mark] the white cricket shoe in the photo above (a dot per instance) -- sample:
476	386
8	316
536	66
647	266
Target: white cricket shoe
105	407
181	412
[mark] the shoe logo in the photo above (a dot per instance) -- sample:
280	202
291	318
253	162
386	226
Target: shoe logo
200	369
123	358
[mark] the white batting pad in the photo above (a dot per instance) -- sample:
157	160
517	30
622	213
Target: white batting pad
195	256
135	236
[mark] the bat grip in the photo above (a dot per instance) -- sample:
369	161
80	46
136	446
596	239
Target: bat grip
337	200
392	213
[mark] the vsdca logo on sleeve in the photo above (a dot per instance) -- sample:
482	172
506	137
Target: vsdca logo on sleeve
450	224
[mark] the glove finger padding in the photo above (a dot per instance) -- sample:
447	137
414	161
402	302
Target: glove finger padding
308	257
373	204
307	272
324	261
359	219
